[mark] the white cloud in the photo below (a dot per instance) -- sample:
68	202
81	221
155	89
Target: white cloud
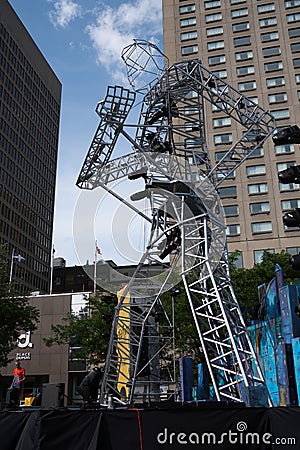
64	12
115	28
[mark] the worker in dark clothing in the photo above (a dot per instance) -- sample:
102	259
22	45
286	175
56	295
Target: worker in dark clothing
88	388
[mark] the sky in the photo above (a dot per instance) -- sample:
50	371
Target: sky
82	40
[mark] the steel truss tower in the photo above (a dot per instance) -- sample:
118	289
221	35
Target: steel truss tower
186	222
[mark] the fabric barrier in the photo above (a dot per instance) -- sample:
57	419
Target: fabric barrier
152	429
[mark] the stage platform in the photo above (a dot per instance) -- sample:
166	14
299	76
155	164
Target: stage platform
182	427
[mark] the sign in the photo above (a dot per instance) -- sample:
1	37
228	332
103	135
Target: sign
23	342
22	356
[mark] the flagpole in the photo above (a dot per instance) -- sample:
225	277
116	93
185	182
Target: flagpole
95	269
11	265
51	269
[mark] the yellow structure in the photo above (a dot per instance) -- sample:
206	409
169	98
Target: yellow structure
123	343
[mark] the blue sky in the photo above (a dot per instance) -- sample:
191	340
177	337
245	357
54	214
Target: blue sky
82	41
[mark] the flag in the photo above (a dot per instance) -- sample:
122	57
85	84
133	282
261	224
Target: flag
98	250
18	258
53	251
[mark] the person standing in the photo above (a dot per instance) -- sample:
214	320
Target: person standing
17	383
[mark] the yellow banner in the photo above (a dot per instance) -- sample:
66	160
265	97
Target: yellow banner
123	344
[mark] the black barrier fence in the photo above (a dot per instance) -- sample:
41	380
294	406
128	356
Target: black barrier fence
152	429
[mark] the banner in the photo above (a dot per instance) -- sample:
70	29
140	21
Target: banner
203	425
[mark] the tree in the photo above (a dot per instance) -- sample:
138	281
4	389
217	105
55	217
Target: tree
17	315
186	335
88	333
246	281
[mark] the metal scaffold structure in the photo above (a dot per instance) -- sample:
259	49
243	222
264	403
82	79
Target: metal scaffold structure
186	226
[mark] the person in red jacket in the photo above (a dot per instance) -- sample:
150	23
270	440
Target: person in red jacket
19	376
17	382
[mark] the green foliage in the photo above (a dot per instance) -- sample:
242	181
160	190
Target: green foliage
246	281
186	336
17	315
89	334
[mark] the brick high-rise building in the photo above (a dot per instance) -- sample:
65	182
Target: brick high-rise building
30	97
254	45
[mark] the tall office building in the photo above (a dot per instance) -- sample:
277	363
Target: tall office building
30	97
253	45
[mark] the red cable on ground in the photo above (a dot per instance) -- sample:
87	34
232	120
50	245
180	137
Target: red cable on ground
140	426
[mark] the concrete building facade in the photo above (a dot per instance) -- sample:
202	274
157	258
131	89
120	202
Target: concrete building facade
253	45
42	364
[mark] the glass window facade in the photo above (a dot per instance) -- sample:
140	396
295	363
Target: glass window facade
29	128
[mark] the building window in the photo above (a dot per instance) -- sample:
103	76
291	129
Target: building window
271	51
266	37
220	73
258	208
189	49
239	13
273	82
228	173
290	18
231	210
225	138
187	9
277	98
235	2
284	166
295	47
218	106
222	122
187	22
261	227
213	17
243	26
258	255
214	31
233	230
189	35
290	204
213	60
242	56
291	3
193	142
281	114
273	66
247	70
293	250
296	62
252	171
297	78
191	126
219	155
298	95
288	187
238	260
190	110
215	45
257	153
212	4
247	86
259	188
266	8
284	148
267	22
227	192
246	40
294	32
